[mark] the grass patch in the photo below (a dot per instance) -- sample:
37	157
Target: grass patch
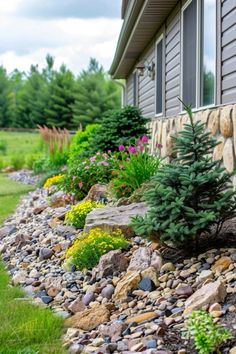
19	145
25	328
10	194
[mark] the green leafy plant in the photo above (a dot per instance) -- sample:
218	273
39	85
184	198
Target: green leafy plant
87	249
3	147
190	197
80	142
77	214
83	175
122	126
207	335
136	167
17	162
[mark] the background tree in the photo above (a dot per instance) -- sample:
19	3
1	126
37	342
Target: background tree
94	95
5	99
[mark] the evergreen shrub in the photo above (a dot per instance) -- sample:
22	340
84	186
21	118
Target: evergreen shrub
190	197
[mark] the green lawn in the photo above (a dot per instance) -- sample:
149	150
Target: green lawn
18	146
25	328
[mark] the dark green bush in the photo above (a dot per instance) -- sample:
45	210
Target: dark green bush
191	196
122	126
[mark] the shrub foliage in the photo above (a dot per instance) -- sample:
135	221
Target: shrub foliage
77	215
121	126
89	247
192	194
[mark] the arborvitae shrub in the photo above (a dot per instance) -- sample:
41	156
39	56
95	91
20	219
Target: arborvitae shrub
120	127
190	197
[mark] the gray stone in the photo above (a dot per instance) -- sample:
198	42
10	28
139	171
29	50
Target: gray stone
45	253
113	261
7	231
112	218
108	291
144	258
89	297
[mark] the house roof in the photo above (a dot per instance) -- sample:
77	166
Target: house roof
142	19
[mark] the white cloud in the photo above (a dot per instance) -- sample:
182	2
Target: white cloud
26	41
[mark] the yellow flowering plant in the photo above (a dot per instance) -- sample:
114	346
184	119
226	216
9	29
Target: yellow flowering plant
77	214
51	181
87	249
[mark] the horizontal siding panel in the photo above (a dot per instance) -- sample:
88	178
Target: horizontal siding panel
227	7
229	66
175	40
229	81
229	35
173	111
229	20
175	51
173	73
146	88
229	96
173	64
173	83
172	93
229	51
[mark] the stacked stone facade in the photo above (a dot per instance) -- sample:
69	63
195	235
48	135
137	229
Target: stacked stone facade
220	122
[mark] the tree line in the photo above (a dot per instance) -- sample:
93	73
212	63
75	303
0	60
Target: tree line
56	97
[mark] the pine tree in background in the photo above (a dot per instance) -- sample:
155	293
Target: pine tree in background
58	110
191	196
95	95
5	99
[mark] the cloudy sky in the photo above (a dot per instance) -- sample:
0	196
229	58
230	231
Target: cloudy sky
71	30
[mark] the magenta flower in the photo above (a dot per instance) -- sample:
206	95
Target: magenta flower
144	139
109	151
141	148
159	146
132	149
80	185
121	148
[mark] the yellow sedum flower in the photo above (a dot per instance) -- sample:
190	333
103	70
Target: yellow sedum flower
53	181
77	215
87	249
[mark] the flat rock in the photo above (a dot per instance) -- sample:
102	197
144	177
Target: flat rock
111	218
205	296
142	317
90	319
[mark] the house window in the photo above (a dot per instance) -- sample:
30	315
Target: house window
135	88
199	52
208	53
159	76
189	53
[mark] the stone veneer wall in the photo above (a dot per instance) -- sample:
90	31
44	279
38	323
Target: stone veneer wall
220	122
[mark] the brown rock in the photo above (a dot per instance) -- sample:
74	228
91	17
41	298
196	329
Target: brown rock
233	350
113	261
228	155
218	150
89	319
207	295
58	200
221	264
213	122
53	291
112	218
142	317
76	306
150	273
185	290
226	126
39	209
97	193
129	282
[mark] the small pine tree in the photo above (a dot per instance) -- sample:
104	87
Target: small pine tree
190	196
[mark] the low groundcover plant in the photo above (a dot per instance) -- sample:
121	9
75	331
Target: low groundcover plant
207	335
77	214
87	249
51	181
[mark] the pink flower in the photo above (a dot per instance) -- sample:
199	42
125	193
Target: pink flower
104	155
104	163
98	153
121	148
141	148
109	151
144	139
132	149
80	185
159	146
93	158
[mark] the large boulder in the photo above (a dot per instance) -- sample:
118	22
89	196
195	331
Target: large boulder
97	193
207	295
144	258
90	319
111	218
113	261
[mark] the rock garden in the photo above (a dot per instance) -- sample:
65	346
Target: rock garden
137	254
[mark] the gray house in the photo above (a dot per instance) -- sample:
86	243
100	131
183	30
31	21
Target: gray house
169	49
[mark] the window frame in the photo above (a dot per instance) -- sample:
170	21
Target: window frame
199	51
159	39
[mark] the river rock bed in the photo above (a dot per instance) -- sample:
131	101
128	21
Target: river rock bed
134	301
24	176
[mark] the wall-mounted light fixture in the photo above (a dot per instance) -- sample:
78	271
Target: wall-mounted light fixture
146	68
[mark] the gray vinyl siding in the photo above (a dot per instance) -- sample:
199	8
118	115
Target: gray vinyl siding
228	70
146	88
172	63
129	94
